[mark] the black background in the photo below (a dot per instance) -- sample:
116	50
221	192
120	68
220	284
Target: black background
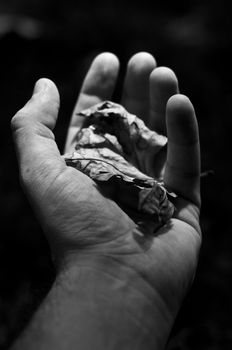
58	40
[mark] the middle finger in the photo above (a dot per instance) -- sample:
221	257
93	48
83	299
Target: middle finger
135	97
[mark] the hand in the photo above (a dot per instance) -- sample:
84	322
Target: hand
79	222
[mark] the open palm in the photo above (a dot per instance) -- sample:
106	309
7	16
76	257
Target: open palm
147	89
78	220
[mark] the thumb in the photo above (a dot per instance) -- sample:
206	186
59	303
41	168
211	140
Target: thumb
38	155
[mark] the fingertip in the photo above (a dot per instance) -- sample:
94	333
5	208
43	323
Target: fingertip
142	62
181	119
39	86
180	107
107	62
45	88
44	103
101	77
46	91
164	76
179	102
42	84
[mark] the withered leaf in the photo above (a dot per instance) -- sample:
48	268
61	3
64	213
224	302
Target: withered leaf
110	148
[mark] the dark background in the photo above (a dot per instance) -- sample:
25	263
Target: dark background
58	40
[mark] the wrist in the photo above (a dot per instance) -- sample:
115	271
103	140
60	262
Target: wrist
91	307
122	306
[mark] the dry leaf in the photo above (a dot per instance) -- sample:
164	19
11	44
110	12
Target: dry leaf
110	147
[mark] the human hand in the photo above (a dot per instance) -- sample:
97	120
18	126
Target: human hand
82	225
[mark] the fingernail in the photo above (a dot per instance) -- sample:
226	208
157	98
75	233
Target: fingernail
40	85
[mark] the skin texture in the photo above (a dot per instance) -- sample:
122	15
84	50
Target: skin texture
89	231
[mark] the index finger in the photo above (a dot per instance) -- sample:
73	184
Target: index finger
98	86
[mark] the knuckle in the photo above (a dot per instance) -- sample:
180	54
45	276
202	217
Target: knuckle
18	121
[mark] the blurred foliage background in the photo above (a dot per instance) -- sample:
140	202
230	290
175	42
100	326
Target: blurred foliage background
58	40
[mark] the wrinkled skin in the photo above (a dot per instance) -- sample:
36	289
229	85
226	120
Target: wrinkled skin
79	222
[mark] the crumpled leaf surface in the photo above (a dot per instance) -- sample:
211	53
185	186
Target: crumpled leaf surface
110	147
